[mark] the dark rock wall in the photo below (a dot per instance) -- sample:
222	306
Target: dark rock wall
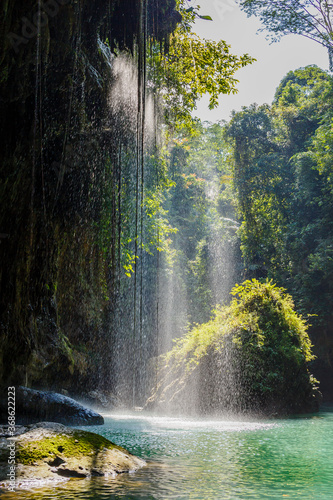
55	136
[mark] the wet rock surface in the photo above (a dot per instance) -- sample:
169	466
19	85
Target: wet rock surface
49	451
33	406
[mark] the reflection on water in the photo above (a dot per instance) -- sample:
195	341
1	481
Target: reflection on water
212	459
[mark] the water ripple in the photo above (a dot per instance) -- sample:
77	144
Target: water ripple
193	459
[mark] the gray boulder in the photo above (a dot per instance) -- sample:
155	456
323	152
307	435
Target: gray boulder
33	406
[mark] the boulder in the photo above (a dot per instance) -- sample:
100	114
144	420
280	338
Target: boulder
48	451
32	406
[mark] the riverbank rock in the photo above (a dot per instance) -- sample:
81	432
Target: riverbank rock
49	451
33	406
102	400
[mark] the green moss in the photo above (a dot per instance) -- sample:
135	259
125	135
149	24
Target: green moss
4	75
80	443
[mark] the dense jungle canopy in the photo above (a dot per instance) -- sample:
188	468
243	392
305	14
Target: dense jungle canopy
123	220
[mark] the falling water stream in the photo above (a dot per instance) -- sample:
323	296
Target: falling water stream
202	459
212	460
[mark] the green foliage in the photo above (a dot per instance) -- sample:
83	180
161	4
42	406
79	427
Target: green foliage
267	312
201	66
258	341
322	146
261	314
259	176
282	161
201	206
157	227
199	282
187	207
301	102
116	228
309	18
191	68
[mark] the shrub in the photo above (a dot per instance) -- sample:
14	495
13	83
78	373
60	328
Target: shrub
252	356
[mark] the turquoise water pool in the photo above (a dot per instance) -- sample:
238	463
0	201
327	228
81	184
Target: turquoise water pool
213	459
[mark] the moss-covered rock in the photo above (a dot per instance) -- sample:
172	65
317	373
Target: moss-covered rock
253	356
47	451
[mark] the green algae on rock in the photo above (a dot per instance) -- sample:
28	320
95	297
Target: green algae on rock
47	451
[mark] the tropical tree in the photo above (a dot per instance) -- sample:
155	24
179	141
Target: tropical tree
309	18
282	169
260	174
190	68
282	160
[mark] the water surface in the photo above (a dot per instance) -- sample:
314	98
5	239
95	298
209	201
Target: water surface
212	460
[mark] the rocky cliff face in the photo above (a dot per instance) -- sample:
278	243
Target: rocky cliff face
56	135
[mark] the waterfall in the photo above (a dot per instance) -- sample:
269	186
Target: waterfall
79	165
89	299
133	114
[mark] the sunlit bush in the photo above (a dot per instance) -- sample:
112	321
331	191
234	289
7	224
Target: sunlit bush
252	356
